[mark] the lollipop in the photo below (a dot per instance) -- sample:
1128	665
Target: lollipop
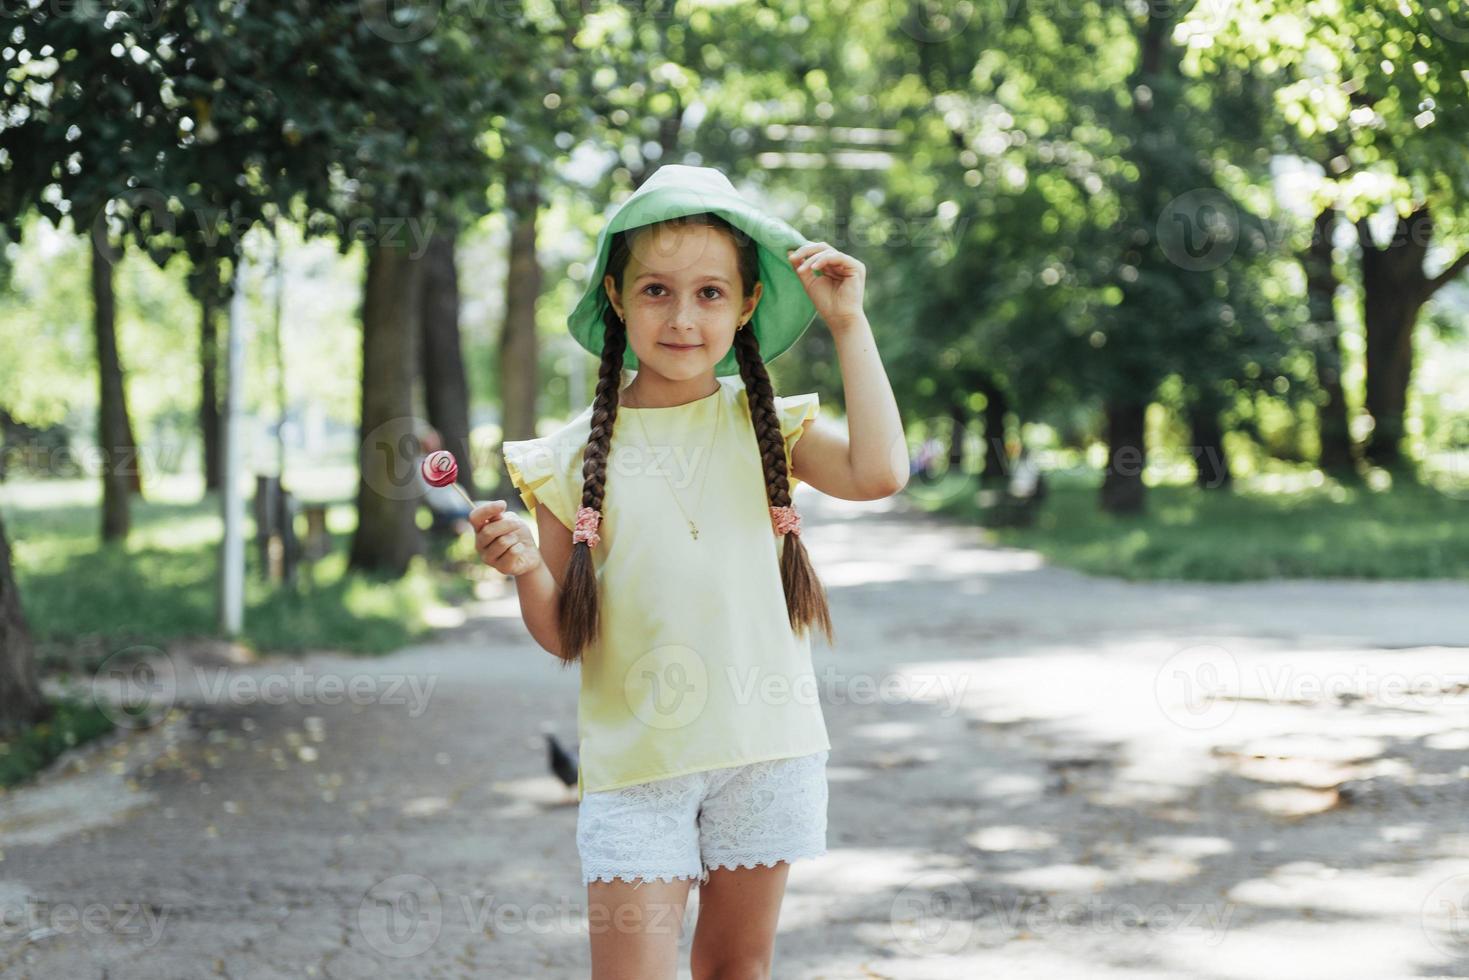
440	469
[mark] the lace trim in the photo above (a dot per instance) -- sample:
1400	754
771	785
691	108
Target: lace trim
637	879
766	862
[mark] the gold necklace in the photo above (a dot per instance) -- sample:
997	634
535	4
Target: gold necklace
718	411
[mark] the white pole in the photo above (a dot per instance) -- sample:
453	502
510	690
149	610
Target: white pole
232	557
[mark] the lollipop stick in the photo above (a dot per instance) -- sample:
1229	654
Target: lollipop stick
464	495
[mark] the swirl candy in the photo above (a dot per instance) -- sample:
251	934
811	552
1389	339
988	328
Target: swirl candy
441	469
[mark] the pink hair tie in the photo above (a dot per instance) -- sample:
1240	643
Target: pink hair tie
587	521
785	519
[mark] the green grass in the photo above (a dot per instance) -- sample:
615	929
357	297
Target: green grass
85	601
1293	526
72	723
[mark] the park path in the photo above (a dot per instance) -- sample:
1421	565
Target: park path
1034	773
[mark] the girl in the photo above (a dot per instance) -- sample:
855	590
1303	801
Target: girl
668	563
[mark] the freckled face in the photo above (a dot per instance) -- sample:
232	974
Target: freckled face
681	299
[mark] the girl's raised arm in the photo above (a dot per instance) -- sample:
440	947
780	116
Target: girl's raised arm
870	460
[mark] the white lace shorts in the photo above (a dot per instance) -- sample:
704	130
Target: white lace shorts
760	813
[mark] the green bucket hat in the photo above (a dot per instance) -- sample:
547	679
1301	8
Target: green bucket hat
674	190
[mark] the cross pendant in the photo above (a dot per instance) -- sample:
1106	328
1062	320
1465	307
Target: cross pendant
693	530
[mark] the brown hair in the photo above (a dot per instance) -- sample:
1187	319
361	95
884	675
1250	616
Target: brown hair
806	603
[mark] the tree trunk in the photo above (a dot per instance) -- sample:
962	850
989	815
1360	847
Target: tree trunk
996	456
1207	436
21	703
959	416
1324	343
389	490
1389	320
1394	289
132	456
518	348
113	435
210	418
446	391
1123	491
1125	408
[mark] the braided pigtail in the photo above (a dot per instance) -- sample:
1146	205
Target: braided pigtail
577	612
806	603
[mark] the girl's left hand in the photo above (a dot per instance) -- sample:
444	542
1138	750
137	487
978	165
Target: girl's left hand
837	292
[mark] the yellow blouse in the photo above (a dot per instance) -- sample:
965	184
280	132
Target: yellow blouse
695	666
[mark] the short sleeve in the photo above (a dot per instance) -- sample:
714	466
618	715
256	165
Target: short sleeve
538	473
793	411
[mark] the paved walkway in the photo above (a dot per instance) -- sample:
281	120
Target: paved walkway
1034	774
